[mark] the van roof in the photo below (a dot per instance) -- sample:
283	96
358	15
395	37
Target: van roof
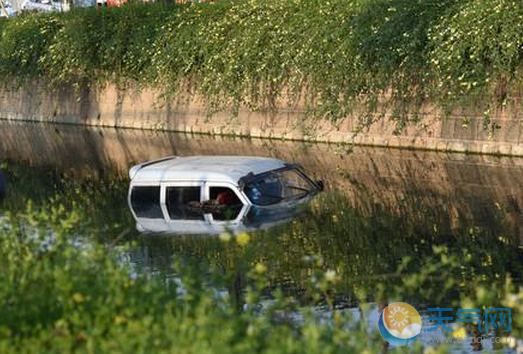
203	168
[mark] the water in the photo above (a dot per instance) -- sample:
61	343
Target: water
383	215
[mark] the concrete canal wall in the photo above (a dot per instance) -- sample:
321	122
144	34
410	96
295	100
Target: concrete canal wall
461	131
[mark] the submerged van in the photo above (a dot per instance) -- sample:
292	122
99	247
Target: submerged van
206	194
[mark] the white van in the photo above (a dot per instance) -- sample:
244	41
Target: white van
206	194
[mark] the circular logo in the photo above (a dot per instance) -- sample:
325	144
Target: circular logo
399	324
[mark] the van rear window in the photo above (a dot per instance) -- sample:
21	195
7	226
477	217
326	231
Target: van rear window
145	202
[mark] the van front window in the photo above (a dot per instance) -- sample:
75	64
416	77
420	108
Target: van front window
277	186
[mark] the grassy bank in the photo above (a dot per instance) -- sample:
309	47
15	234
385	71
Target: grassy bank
330	55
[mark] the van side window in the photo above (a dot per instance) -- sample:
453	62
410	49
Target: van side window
145	202
178	201
224	196
229	205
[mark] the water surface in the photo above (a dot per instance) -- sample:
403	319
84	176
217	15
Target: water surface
384	214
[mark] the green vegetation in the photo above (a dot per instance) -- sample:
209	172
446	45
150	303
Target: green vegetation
62	292
59	295
332	55
70	283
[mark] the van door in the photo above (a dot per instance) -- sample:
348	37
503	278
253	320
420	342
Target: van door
231	205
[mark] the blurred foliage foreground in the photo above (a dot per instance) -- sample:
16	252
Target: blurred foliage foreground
65	285
331	56
59	295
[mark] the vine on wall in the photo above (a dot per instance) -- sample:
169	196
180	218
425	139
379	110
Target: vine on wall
331	56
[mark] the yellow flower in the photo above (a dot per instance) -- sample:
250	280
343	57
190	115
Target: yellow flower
250	330
331	276
119	319
78	297
459	333
260	268
511	301
225	237
337	318
243	239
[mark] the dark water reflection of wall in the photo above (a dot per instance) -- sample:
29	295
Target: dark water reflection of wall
454	187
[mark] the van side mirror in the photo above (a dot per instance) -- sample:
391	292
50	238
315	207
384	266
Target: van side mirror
320	184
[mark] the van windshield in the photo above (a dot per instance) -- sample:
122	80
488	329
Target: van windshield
278	186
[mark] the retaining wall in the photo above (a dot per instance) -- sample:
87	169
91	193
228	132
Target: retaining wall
462	131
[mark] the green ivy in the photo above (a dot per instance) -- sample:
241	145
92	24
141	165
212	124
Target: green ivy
331	56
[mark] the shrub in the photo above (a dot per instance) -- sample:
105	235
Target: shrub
331	56
23	43
62	294
478	50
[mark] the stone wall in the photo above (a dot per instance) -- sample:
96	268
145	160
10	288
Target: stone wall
110	107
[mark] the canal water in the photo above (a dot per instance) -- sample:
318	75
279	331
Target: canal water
430	229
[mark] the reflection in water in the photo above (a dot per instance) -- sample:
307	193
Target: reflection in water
438	227
458	188
237	219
